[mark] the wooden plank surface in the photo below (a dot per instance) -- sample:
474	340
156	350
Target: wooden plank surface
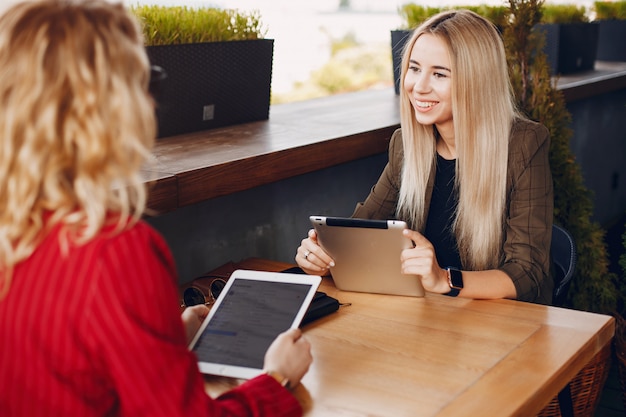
303	137
438	356
163	193
298	138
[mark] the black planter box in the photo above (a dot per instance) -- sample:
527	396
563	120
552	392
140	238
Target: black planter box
210	85
611	40
398	39
570	47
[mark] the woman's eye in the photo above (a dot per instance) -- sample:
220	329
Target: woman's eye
440	75
414	68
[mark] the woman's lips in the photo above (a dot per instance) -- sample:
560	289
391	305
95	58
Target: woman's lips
424	106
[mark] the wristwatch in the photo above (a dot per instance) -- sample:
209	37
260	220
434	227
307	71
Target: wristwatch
455	281
282	380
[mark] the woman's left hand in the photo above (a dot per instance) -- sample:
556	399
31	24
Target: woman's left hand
192	319
421	260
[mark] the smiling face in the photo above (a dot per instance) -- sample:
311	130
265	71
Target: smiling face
428	82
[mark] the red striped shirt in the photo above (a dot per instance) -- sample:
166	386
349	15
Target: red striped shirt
97	332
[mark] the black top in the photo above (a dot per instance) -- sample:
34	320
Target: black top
441	214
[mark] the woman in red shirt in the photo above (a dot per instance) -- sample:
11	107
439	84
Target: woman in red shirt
89	317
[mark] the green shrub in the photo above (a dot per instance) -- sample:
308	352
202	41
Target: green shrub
349	69
563	13
593	286
498	15
413	15
181	24
621	281
610	10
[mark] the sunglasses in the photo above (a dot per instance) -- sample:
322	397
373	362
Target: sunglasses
203	290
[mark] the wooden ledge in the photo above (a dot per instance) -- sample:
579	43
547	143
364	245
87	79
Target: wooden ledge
299	138
605	78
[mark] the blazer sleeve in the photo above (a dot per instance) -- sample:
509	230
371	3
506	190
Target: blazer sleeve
381	203
530	213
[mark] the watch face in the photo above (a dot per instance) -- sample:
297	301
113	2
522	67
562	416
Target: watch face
456	278
193	296
216	288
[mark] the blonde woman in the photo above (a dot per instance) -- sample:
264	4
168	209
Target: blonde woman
89	315
467	172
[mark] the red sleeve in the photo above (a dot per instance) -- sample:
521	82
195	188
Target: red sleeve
137	332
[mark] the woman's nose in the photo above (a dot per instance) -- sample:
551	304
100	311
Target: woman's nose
416	82
421	83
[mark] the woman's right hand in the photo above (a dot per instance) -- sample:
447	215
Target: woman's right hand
311	257
289	355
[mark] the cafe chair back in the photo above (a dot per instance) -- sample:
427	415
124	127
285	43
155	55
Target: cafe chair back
563	253
581	395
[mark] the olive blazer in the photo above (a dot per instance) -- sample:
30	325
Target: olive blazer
530	201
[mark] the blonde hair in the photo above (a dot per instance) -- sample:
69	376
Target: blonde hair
483	110
76	125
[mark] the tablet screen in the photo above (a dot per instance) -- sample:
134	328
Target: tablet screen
246	319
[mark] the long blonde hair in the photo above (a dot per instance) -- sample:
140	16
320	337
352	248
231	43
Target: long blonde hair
483	110
76	122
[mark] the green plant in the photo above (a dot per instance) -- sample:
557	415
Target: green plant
622	282
351	67
610	10
622	258
413	15
563	13
593	286
164	25
620	330
498	15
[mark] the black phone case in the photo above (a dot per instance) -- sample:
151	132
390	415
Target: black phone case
321	305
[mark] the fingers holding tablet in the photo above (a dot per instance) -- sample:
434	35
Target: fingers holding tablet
290	356
311	257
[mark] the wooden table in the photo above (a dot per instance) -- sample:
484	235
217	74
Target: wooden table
439	356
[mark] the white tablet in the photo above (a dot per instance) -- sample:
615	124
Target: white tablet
253	308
